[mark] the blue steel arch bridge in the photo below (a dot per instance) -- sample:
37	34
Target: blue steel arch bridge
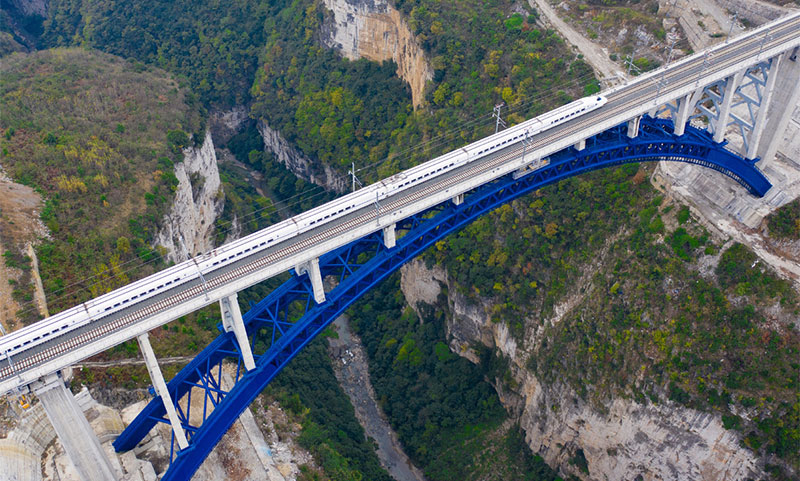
681	113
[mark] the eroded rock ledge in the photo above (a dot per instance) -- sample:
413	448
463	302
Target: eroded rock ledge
375	30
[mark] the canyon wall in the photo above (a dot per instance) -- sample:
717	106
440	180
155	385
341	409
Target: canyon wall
620	440
375	30
188	228
297	162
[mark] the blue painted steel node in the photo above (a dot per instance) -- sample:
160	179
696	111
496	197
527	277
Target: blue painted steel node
286	320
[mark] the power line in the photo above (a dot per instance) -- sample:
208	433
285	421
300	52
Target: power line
304	196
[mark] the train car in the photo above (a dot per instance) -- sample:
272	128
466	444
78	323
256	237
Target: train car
169	278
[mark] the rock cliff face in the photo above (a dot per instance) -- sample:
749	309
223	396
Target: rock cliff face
374	30
622	440
753	10
298	163
29	8
225	124
197	204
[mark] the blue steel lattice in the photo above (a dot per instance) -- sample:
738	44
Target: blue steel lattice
287	319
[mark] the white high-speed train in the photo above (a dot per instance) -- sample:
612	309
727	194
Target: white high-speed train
17	342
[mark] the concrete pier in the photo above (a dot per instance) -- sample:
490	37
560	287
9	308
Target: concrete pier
78	438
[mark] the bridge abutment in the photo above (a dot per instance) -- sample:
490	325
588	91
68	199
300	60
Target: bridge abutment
76	435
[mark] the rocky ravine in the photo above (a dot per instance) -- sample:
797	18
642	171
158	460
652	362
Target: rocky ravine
375	30
188	228
624	441
298	163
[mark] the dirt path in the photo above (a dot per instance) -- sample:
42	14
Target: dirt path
19	225
610	72
134	362
350	366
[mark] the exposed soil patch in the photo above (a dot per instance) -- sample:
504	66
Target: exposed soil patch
19	225
637	32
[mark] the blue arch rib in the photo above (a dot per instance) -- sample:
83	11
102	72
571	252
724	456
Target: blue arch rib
656	141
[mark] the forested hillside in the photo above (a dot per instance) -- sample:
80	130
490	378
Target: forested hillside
213	45
97	136
659	310
341	112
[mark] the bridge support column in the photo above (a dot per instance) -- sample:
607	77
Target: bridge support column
686	106
161	389
232	322
459	199
785	97
312	269
580	145
763	111
389	236
732	83
74	431
633	127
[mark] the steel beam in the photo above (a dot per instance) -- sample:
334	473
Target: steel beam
232	322
161	389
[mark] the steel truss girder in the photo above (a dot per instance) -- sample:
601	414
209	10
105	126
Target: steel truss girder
751	94
709	104
288	318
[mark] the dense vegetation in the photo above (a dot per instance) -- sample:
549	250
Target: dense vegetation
649	307
309	389
784	223
341	112
214	45
97	136
444	411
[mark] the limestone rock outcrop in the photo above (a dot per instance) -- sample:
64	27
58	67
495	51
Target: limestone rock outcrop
188	228
297	162
375	30
755	11
621	440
